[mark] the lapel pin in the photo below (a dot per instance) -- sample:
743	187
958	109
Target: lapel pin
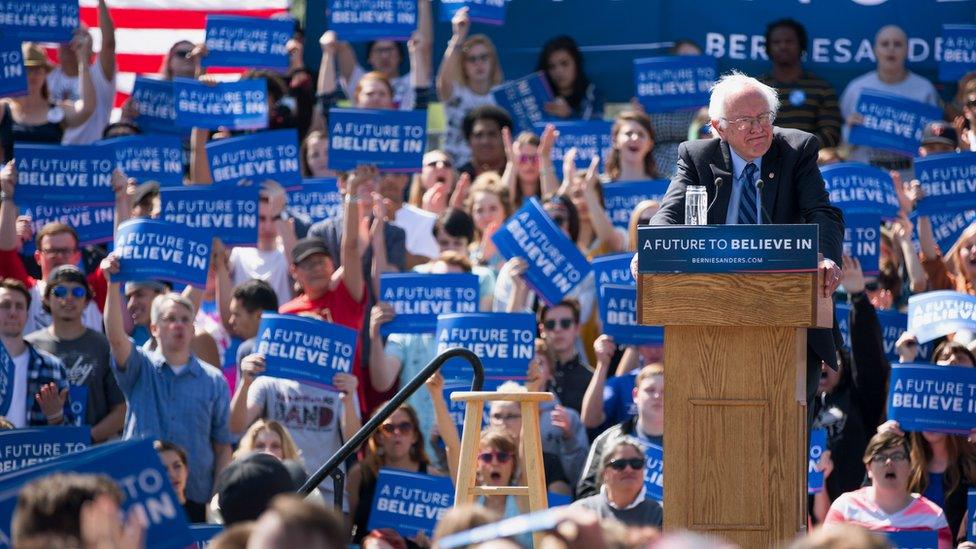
771	175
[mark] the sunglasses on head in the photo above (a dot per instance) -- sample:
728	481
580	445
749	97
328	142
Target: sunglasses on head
500	457
76	292
404	427
634	463
564	323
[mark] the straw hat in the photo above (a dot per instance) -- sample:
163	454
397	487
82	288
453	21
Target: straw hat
34	56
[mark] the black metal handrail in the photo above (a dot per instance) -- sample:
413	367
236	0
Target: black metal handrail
331	467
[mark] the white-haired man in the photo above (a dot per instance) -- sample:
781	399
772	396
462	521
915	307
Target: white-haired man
756	173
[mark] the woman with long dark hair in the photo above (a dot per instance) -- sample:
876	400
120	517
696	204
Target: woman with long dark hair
576	97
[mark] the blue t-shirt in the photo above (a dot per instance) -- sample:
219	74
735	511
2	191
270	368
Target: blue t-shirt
935	491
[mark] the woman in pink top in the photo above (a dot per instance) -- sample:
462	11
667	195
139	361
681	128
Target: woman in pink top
887	505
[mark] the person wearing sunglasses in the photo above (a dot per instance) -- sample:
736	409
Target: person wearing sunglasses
498	465
968	123
622	495
888	505
434	189
84	352
560	327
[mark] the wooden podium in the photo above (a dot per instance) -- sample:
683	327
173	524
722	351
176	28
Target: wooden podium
735	440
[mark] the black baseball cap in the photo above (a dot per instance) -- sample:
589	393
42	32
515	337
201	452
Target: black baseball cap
307	247
248	484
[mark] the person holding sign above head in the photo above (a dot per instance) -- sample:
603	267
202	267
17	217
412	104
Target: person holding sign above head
887	505
777	168
623	495
468	72
576	97
169	393
38	117
40	380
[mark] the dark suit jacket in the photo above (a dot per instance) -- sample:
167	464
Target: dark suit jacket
793	192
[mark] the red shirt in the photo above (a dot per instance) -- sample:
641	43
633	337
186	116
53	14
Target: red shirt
338	307
11	266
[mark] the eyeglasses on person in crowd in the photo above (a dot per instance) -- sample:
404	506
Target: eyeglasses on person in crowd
636	464
564	323
405	428
500	457
439	164
895	457
50	252
746	122
483	58
62	292
505	418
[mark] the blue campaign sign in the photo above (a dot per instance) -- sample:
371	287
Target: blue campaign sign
958	52
934	314
76	408
135	467
971	515
524	99
417	299
505	342
13	75
618	315
556	265
947	228
859	188
949	182
926	397
149	157
654	471
815	477
727	249
229	213
156	106
620	199
22	448
913	539
365	20
613	269
7	373
393	141
152	249
39	20
674	83
589	137
305	349
410	502
204	533
862	239
256	157
317	199
490	12
891	122
248	42
893	325
241	105
79	175
93	224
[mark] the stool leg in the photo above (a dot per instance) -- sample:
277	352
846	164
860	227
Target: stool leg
535	474
464	484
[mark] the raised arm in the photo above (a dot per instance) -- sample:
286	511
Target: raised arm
199	163
106	56
76	113
352	263
327	71
548	183
592	413
243	414
602	225
450	70
118	339
384	369
8	209
445	424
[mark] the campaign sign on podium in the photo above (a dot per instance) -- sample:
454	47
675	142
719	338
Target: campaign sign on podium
727	249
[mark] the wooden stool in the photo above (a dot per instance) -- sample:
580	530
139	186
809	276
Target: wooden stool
535	488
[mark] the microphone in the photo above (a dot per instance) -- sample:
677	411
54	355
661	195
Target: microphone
718	185
766	218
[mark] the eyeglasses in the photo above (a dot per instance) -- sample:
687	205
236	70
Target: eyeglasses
439	164
483	58
634	463
176	320
745	122
58	251
405	428
313	263
500	457
62	292
505	418
564	323
528	158
895	457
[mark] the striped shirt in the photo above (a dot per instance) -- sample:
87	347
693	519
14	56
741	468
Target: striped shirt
810	105
858	508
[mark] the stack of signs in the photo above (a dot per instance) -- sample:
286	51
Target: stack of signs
256	157
556	266
617	294
620	199
141	477
674	83
365	20
525	99
891	122
866	195
949	183
317	199
393	141
410	503
418	299
305	349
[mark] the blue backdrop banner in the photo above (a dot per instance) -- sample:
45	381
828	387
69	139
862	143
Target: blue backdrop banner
674	83
249	42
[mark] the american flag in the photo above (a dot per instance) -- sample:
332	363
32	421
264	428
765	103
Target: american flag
146	29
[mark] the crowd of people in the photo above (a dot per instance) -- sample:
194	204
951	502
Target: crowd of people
181	368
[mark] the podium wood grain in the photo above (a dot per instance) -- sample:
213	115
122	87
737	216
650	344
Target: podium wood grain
735	412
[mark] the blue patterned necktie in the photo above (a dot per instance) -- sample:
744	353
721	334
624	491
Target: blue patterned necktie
747	199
